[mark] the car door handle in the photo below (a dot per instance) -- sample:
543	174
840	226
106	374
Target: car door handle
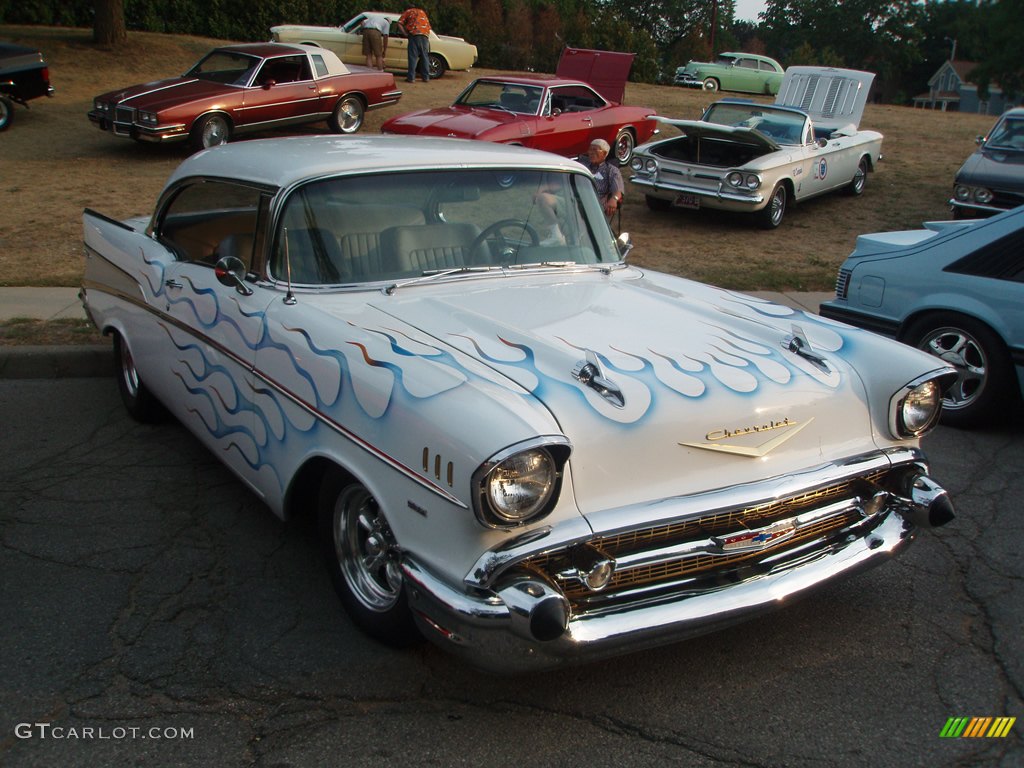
172	284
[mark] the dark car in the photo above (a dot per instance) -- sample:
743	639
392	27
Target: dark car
244	88
561	114
992	179
24	75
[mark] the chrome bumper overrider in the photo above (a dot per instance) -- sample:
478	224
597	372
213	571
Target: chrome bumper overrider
526	622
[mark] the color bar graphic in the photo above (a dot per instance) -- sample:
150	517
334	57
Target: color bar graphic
977	727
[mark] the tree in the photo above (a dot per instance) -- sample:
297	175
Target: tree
1002	64
108	25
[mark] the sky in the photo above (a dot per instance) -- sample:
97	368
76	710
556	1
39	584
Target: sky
748	9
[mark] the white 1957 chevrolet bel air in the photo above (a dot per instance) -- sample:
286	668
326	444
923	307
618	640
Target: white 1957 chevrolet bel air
757	158
514	442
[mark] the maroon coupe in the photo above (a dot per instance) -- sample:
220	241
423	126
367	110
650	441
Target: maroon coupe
244	88
560	114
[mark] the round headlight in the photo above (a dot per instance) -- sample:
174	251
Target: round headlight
962	193
520	486
752	181
734	179
983	195
650	166
920	409
637	163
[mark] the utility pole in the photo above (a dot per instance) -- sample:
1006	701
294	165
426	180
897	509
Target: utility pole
714	24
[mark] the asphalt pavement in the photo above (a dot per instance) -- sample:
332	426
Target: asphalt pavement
78	361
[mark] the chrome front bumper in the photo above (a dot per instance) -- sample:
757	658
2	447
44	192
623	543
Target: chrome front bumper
525	624
720	197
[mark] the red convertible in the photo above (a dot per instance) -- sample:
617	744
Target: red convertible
244	88
562	114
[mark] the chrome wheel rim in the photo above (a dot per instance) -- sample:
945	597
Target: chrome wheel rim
710	85
215	133
859	178
961	350
350	116
128	372
366	550
778	206
624	147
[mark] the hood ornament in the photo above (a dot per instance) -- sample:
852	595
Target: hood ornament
590	373
798	344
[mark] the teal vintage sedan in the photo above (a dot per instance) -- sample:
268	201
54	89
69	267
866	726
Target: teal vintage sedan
743	72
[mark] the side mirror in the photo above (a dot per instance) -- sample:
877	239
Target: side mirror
624	245
230	271
268	84
979	140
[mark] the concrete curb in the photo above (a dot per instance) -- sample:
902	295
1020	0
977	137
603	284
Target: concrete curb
56	362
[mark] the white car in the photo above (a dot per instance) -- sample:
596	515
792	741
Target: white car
758	158
515	442
446	51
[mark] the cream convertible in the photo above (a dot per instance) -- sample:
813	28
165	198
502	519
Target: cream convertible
750	157
514	441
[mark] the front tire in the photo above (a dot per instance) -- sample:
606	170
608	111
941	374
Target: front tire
710	84
436	66
770	217
140	403
348	115
6	113
860	179
982	364
623	147
363	559
210	131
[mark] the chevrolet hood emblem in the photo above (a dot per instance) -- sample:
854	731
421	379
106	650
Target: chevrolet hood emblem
751	448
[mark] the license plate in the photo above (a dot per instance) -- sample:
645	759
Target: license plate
686	200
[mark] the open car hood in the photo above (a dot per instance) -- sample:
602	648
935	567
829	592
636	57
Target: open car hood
605	71
700	129
834	98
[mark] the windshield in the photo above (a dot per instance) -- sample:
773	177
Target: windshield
358	229
512	97
780	125
1008	134
228	67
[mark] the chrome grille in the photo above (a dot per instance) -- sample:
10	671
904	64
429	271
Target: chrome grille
123	119
682	572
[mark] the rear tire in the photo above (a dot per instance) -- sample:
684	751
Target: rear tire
623	147
348	115
984	369
140	403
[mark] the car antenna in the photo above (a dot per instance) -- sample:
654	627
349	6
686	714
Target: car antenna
289	298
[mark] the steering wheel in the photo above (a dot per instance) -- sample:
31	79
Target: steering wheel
508	247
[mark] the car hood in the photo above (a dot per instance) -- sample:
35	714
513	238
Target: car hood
999	168
711	396
701	129
163	93
458	122
834	98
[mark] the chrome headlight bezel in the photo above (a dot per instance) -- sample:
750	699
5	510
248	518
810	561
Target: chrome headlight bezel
915	409
101	106
148	119
743	180
520	484
962	193
983	195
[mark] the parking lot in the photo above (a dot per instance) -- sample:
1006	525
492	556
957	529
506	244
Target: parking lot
156	613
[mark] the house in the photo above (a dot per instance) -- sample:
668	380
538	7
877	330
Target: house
950	89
